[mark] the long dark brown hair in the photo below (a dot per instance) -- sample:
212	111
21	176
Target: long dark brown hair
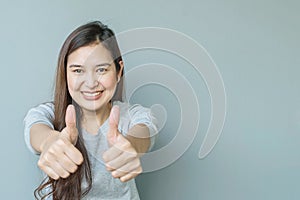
70	188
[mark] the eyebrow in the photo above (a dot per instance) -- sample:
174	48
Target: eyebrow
99	65
74	65
103	64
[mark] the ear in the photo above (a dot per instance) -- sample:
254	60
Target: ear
121	70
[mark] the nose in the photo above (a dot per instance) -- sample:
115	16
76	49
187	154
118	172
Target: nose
91	80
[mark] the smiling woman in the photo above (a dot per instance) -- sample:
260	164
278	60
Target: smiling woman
89	150
92	78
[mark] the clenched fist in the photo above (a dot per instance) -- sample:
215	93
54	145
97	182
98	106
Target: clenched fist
121	158
59	157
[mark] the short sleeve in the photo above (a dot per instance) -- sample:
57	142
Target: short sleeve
142	115
44	114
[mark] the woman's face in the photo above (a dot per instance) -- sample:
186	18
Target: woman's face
92	77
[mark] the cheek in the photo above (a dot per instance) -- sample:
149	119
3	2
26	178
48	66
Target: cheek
72	83
109	82
69	82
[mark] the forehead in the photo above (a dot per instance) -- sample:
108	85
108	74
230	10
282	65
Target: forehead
94	53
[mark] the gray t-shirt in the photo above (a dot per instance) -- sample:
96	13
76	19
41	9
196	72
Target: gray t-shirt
104	185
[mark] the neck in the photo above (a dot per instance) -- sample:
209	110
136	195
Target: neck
92	120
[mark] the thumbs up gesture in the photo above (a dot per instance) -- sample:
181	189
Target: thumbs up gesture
59	157
121	158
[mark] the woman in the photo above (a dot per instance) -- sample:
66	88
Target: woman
93	151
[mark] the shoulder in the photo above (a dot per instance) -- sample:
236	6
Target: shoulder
131	115
45	106
44	109
127	109
135	113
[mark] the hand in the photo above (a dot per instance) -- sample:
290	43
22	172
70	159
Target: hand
121	158
59	157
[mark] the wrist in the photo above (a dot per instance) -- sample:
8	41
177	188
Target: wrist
141	145
52	134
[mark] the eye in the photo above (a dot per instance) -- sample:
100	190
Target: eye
78	71
101	70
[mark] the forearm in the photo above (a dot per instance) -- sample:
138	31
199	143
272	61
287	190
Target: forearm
139	137
38	134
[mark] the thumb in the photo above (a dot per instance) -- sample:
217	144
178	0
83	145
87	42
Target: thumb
113	124
71	128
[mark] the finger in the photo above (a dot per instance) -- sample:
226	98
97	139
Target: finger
121	153
114	118
131	175
50	172
111	154
68	164
113	125
70	120
64	147
58	161
122	144
130	167
59	170
122	160
108	168
73	153
42	163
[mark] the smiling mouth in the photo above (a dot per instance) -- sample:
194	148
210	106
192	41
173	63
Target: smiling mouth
91	94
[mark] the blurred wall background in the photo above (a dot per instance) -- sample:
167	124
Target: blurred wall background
255	45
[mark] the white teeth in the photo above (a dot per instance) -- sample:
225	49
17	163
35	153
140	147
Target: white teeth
91	94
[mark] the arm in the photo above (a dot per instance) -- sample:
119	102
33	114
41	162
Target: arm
58	155
139	137
143	128
38	121
123	157
38	134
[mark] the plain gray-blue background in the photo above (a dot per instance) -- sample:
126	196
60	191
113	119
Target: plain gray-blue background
255	45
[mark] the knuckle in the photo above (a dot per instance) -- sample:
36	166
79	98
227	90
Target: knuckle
134	154
40	163
73	169
125	179
52	150
60	142
46	160
114	174
111	166
139	170
65	175
51	175
80	159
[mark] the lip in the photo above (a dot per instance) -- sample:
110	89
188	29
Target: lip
91	95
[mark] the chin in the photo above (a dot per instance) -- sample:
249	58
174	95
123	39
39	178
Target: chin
94	107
